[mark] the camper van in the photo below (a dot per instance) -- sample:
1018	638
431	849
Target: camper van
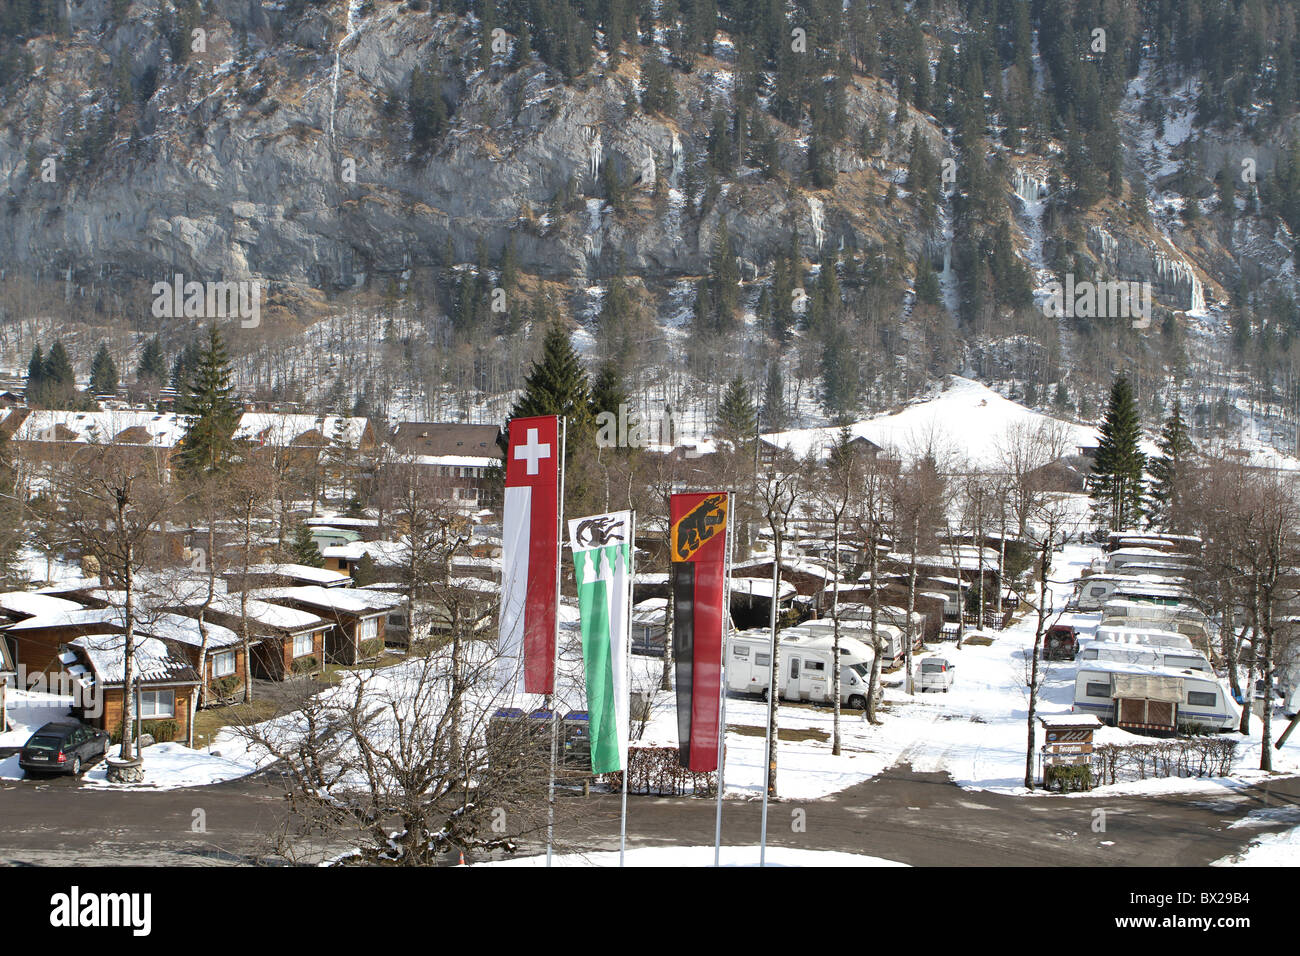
890	616
1153	655
805	666
1146	697
895	644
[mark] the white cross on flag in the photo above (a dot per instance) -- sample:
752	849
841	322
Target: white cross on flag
530	540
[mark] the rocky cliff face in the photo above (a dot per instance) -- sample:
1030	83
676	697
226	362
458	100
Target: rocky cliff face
268	165
273	142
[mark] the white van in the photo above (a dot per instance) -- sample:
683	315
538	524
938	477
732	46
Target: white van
805	666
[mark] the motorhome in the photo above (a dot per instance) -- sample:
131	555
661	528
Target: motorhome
1146	697
1153	655
806	661
895	642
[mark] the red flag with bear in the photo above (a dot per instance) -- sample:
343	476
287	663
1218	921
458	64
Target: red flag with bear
698	540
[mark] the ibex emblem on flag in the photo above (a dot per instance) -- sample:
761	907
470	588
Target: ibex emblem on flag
599	531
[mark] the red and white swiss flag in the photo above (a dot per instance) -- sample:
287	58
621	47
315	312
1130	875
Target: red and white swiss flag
530	536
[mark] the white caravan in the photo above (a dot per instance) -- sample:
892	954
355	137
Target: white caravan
805	666
1153	655
1149	636
1153	698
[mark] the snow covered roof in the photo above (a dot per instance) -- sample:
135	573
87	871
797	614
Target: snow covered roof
173	627
342	522
152	660
303	572
28	604
793	564
282	430
761	587
162	429
353	601
454	461
1069	720
266	613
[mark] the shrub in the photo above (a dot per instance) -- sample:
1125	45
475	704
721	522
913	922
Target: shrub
226	686
303	665
163	730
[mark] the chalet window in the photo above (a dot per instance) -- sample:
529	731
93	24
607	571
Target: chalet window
156	704
1097	690
223	665
1199	698
302	644
368	629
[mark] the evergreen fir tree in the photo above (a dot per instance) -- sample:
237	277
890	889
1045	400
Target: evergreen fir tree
1169	472
1115	484
152	369
302	549
557	384
212	413
35	376
59	376
103	372
737	421
607	392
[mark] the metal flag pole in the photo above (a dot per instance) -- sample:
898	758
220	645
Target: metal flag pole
555	654
627	680
722	680
773	695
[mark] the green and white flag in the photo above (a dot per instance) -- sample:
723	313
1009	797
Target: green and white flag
602	558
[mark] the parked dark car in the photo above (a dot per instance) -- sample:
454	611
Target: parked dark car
63	746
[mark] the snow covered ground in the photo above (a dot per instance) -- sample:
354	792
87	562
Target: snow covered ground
677	856
976	732
1269	849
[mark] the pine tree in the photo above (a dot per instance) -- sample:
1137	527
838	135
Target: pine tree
557	384
302	549
607	392
1115	484
103	372
152	369
211	409
59	376
774	399
737	420
1169	472
35	377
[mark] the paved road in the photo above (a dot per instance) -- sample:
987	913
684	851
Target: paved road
918	818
